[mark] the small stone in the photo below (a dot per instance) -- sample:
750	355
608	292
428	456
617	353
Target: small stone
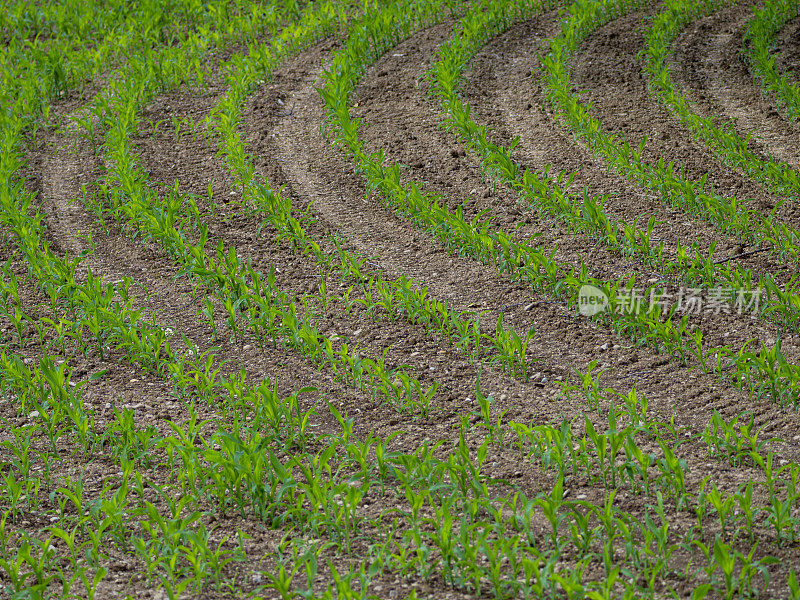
34	414
503	397
247	347
530	306
357	332
604	347
257	578
119	565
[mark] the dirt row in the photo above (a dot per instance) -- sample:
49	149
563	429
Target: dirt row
787	49
506	93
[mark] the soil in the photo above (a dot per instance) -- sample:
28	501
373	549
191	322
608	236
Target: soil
281	128
787	49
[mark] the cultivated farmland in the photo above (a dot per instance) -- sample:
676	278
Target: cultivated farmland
400	299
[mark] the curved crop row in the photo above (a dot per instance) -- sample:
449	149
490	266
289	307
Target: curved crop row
245	293
92	305
104	310
584	213
766	367
727	143
505	346
759	43
613	497
697	197
341	80
456	556
690	195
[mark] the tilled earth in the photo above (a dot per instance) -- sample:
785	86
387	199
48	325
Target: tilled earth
281	127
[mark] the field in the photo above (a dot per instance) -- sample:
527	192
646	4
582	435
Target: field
400	299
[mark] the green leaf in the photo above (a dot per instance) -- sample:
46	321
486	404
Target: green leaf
98	375
702	591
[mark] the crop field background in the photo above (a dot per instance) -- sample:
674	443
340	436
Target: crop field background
400	299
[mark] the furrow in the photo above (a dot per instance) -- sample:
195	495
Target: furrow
787	52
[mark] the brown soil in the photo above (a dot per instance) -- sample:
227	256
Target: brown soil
787	49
